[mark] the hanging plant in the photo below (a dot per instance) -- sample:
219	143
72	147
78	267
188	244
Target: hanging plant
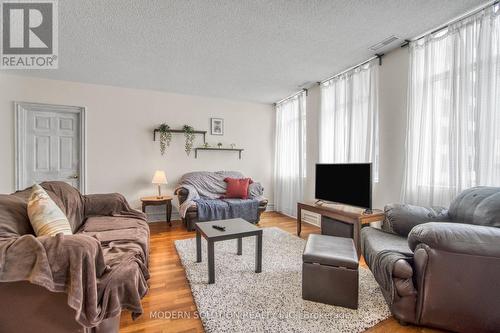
165	137
189	134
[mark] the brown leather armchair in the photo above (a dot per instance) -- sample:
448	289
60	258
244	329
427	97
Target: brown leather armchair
439	267
192	212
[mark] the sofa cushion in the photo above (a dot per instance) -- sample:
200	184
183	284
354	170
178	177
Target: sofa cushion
118	236
237	187
375	241
105	223
382	251
401	218
478	205
14	220
45	216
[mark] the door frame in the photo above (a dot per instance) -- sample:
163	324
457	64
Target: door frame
20	116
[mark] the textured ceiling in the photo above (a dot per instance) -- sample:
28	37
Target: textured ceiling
239	49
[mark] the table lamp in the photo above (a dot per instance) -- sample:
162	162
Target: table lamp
158	179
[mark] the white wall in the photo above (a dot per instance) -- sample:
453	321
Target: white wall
122	156
313	107
393	82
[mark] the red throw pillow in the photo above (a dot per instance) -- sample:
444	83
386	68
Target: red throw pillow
237	187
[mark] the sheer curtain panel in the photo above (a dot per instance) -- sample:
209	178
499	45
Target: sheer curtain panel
453	130
349	117
290	155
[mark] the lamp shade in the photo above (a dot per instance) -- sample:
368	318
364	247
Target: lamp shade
159	177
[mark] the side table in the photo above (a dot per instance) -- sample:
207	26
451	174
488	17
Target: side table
159	201
234	229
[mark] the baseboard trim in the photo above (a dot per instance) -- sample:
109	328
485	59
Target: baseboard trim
155	217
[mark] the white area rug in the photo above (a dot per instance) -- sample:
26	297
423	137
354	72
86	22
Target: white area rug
244	301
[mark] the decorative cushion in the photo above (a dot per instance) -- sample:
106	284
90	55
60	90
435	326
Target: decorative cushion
45	216
237	187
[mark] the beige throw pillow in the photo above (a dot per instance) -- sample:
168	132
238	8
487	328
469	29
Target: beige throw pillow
45	216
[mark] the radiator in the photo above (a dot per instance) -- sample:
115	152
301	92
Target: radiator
311	218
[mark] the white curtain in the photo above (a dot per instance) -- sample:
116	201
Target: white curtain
453	130
290	156
349	117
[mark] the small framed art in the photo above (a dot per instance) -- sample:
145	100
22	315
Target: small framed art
217	126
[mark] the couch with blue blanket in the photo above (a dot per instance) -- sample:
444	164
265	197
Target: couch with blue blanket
201	198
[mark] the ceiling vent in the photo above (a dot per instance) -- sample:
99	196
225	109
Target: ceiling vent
383	43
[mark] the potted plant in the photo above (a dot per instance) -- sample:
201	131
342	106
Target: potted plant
189	134
165	137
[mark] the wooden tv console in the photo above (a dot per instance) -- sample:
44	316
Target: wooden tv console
354	217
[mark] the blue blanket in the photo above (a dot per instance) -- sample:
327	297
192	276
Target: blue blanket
222	209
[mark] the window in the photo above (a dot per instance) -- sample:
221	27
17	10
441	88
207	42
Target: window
452	138
349	117
290	155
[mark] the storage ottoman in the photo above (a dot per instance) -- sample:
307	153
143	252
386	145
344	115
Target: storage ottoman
330	271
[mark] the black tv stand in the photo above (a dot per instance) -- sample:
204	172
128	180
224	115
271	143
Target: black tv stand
319	202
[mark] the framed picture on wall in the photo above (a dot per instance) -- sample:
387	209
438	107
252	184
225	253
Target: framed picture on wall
217	126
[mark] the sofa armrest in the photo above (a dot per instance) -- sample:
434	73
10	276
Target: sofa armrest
182	194
111	204
401	218
457	238
456	267
39	307
49	260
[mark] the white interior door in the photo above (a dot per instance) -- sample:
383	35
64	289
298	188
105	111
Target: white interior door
50	144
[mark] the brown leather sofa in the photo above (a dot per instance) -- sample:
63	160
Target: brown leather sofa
192	212
72	283
441	267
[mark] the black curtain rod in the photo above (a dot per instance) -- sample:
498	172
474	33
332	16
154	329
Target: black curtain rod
406	43
293	95
377	55
453	21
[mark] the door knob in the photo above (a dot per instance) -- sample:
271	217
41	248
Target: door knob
74	177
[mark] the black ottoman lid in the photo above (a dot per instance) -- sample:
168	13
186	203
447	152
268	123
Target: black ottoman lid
331	251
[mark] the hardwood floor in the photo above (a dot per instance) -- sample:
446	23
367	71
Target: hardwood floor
170	293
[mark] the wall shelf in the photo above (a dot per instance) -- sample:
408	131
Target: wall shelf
219	149
204	133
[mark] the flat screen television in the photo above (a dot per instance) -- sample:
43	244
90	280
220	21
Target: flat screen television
348	184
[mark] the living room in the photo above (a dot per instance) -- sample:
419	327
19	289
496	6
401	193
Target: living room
239	166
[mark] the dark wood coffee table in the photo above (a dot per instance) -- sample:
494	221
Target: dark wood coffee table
235	229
